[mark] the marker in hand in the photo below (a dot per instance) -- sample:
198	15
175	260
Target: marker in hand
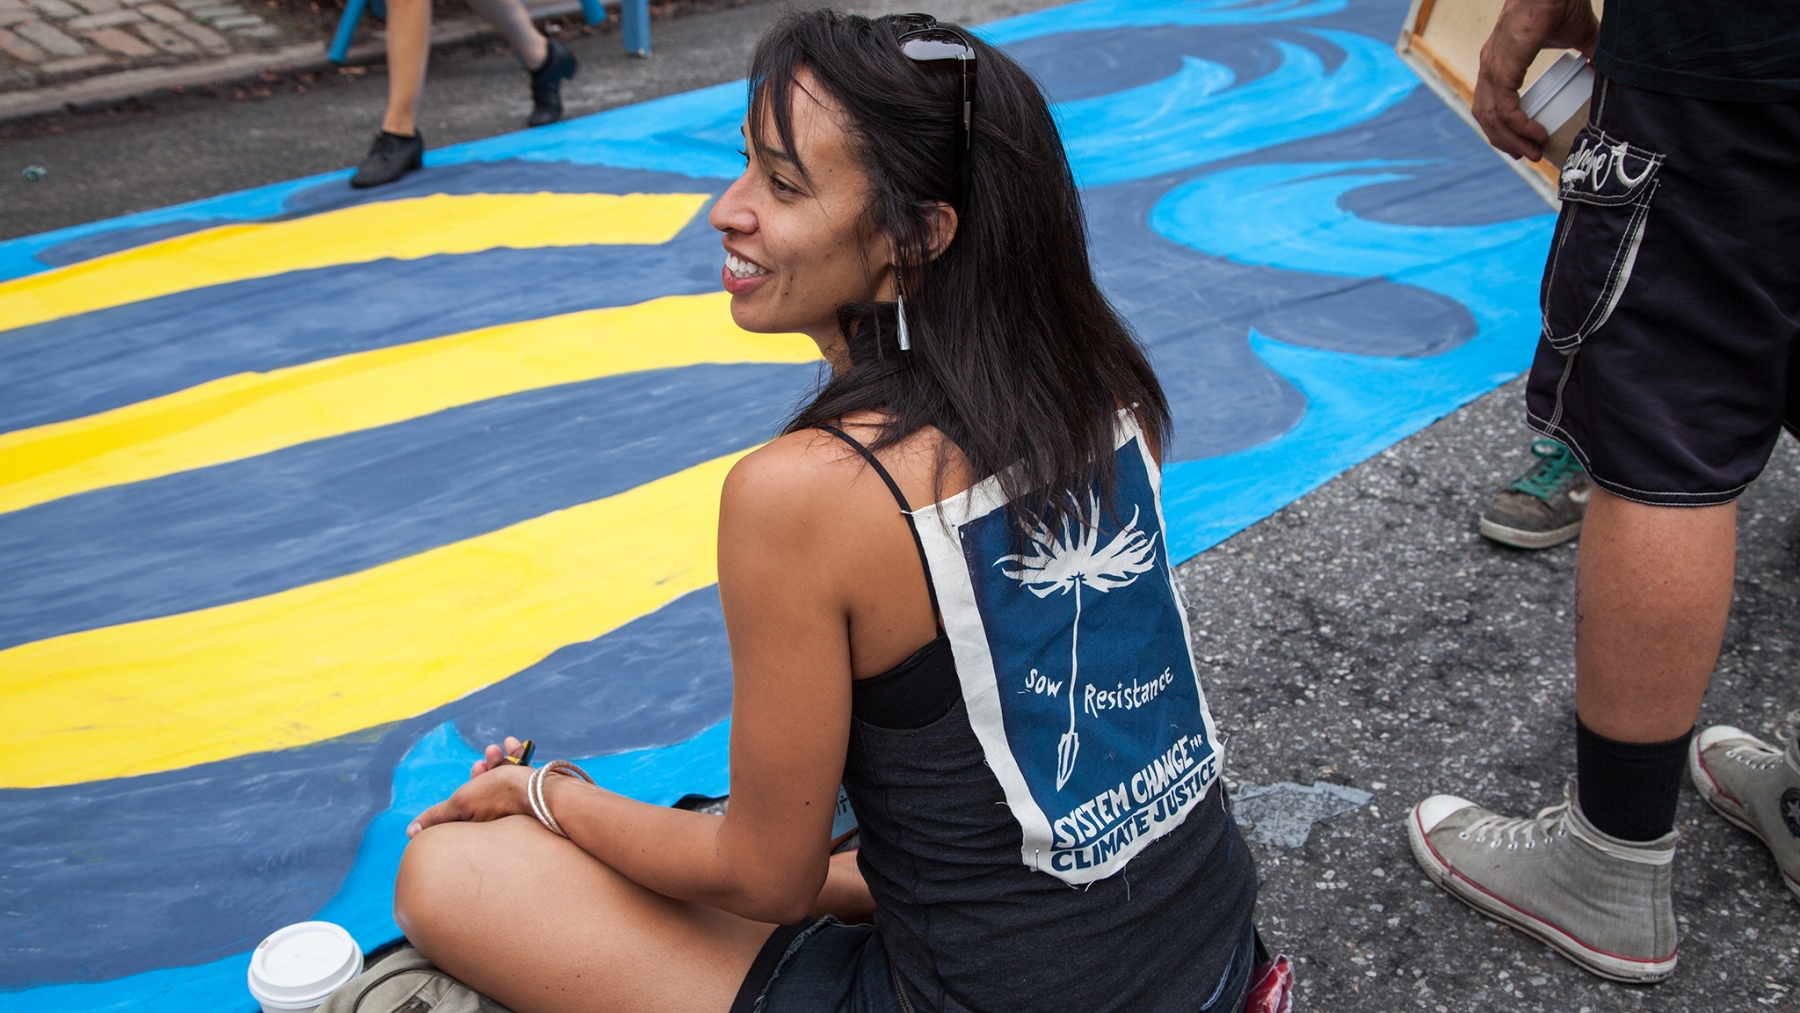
523	757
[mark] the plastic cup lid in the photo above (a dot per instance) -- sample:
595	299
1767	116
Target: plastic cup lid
298	966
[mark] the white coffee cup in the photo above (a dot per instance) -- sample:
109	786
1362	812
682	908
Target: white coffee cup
1559	91
294	969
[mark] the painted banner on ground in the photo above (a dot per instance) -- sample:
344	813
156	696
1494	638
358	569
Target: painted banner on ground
305	492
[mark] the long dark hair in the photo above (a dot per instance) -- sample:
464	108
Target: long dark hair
1016	356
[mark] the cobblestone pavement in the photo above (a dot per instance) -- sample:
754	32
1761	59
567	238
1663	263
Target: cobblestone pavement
44	41
1367	636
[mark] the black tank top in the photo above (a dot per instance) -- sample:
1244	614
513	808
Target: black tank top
970	927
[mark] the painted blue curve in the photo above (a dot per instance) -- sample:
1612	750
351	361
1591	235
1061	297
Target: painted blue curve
313	512
429	772
1359	405
1096	15
18	257
1188	120
1290	216
1299	222
1192	311
693	134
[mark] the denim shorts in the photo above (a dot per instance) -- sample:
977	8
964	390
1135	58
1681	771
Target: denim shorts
826	966
821	966
1671	298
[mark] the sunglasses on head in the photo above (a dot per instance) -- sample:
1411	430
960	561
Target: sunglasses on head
932	48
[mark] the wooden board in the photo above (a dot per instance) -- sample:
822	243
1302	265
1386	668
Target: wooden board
1442	40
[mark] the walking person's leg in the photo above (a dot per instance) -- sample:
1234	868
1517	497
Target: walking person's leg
408	54
399	148
548	61
511	20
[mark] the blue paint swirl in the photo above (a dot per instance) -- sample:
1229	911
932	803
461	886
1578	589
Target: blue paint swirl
1190	119
1096	15
1289	216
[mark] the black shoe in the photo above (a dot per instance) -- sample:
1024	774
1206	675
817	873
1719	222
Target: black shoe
546	85
389	158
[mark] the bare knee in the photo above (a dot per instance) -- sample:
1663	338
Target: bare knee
444	871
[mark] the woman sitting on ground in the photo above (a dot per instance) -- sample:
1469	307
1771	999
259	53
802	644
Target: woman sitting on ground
1001	681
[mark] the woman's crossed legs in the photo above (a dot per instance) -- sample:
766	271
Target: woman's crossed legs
528	918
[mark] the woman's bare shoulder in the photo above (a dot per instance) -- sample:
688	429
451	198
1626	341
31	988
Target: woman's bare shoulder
812	469
797	468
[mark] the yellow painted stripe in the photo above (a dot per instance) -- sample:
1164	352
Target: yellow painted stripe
330	658
254	413
401	229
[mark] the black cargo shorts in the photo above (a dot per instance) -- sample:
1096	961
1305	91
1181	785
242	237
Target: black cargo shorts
1671	298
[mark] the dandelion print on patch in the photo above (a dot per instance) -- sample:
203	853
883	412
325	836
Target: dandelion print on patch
1073	652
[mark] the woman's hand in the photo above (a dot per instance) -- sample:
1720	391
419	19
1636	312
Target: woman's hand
492	756
494	790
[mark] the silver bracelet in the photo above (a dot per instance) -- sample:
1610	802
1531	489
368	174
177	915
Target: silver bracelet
534	791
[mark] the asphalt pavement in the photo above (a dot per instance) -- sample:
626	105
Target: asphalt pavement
1365	636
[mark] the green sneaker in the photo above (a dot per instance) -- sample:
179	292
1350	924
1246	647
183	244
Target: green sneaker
1544	506
1756	786
1605	903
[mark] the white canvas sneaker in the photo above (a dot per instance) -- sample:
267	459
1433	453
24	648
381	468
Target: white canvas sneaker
1755	785
1603	902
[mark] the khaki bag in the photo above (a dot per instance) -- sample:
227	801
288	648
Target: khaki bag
405	982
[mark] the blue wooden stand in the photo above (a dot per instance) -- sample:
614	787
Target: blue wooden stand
634	13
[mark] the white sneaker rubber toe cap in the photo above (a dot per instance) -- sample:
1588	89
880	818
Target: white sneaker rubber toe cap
1719	733
1437	809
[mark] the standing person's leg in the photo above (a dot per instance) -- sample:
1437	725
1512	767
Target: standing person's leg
1653	590
1669	330
1753	783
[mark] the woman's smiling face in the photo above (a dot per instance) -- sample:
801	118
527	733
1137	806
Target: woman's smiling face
797	246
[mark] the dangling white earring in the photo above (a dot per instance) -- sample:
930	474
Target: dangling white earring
900	312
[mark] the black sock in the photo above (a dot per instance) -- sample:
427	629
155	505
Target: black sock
1629	789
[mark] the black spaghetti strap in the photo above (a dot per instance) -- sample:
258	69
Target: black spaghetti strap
905	511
